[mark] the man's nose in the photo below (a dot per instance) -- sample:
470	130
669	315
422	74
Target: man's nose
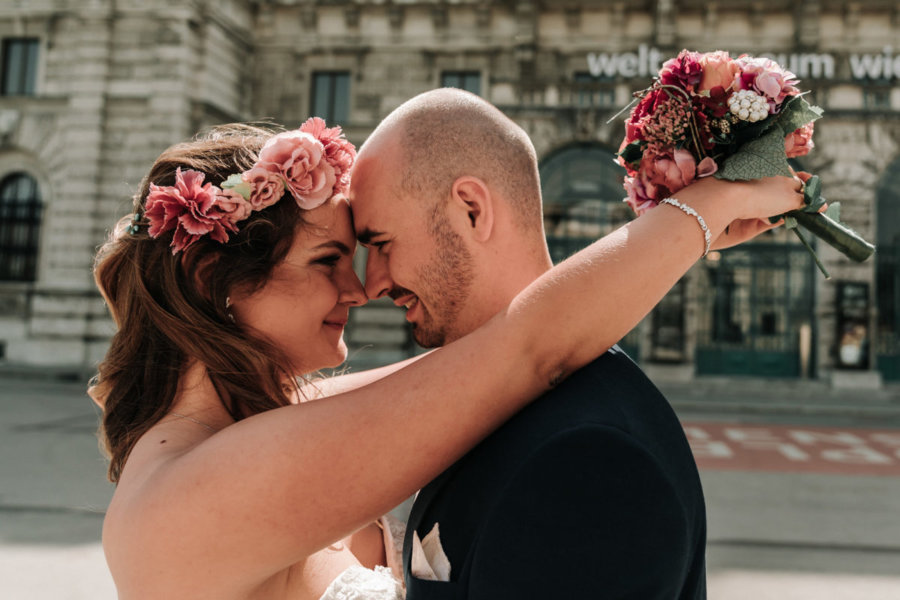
378	280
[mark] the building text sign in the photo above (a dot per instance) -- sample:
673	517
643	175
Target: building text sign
647	61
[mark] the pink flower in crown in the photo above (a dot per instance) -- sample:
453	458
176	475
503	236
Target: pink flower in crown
766	77
233	205
339	152
267	187
189	207
684	71
799	142
300	160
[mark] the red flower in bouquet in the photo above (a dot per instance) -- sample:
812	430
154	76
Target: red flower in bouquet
684	71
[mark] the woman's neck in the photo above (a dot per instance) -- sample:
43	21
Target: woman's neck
198	398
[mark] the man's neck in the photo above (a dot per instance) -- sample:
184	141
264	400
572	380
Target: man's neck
498	291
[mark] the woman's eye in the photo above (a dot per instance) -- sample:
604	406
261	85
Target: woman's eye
330	260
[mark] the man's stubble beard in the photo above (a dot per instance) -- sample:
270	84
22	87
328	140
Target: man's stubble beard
447	278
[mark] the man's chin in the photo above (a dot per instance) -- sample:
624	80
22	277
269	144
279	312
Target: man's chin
428	338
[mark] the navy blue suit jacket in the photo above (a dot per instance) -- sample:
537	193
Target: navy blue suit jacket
589	492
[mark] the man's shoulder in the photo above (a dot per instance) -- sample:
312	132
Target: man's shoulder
610	390
611	393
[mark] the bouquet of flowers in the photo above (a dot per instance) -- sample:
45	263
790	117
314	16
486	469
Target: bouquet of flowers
732	118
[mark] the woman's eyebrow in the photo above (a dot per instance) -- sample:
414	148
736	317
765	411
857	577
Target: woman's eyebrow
337	245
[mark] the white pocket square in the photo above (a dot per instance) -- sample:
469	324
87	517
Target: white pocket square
428	558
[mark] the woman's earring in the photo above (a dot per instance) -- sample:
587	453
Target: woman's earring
227	306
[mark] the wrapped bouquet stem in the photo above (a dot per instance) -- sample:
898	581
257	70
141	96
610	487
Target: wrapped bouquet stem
731	118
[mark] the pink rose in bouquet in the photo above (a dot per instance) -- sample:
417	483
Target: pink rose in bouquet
670	171
799	142
189	207
767	78
641	193
719	70
300	159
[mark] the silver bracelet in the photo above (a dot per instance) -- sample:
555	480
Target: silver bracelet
707	237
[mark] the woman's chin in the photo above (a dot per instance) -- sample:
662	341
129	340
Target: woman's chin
323	362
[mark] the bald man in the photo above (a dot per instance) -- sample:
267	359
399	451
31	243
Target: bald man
592	490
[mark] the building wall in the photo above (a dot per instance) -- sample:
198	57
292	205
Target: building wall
118	82
121	80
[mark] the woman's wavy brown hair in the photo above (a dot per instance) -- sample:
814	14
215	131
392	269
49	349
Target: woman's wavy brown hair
170	309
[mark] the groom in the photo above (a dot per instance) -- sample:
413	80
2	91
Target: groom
592	490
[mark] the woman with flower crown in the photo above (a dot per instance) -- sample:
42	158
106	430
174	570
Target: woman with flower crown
231	280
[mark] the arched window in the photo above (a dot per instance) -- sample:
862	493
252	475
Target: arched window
20	224
582	190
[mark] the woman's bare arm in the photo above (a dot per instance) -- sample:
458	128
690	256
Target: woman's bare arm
345	382
272	489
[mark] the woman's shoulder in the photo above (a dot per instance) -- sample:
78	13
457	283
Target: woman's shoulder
137	527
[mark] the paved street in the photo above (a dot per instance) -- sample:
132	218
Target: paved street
803	494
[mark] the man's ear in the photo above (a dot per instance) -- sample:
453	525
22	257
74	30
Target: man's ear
473	195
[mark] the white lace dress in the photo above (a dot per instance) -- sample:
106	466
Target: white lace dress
382	583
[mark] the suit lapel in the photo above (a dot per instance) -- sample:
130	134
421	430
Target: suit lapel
423	501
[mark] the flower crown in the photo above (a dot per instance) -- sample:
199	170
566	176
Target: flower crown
312	163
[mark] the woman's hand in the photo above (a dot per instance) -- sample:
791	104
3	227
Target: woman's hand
741	230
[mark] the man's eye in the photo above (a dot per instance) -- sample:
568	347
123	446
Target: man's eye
380	245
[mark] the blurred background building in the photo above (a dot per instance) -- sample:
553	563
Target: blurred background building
92	90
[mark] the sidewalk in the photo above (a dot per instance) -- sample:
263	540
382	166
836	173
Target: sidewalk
53	493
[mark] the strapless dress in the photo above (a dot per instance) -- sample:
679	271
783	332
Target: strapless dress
381	583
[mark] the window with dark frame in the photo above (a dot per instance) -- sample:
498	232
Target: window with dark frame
463	80
593	91
877	98
331	96
20	224
20	62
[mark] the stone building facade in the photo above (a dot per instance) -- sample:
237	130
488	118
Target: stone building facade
93	90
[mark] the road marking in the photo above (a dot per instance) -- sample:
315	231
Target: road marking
847	451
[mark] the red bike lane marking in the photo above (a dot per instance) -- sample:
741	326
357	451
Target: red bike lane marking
792	448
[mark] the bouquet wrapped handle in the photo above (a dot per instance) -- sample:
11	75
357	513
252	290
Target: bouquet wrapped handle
837	235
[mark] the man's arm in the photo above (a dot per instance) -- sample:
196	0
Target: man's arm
589	515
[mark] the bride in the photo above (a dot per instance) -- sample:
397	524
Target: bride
231	280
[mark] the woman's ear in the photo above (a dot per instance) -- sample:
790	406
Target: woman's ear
474	197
